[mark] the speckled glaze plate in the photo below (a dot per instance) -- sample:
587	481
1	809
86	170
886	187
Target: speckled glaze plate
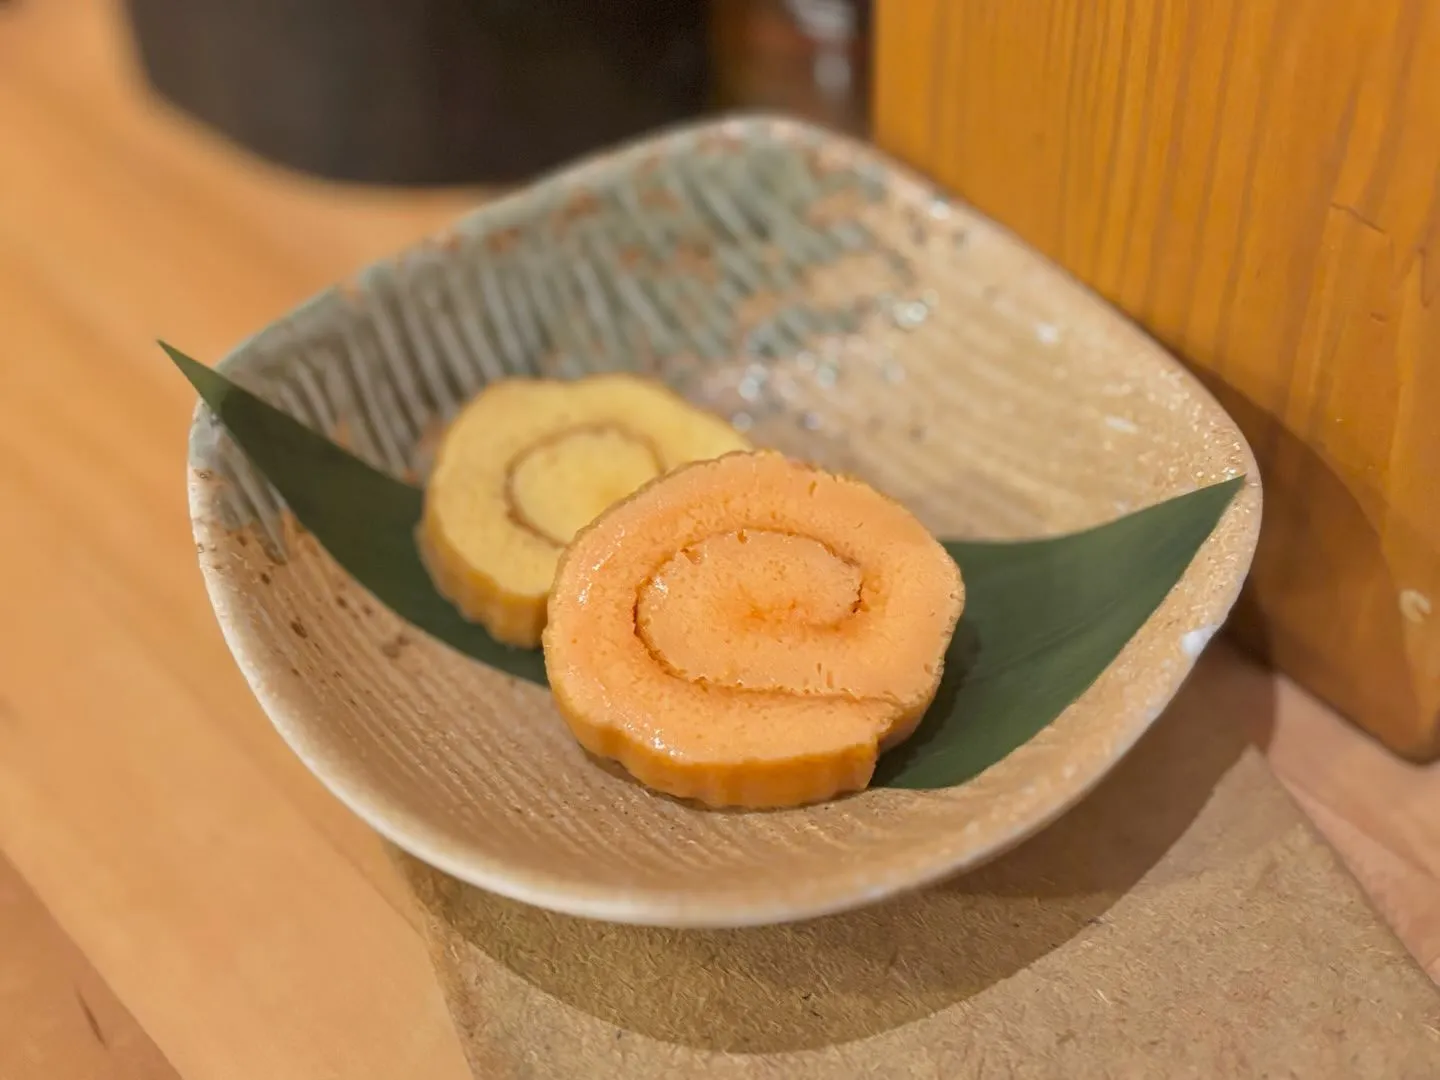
832	305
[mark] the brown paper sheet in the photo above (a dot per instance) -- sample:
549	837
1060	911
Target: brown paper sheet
1184	921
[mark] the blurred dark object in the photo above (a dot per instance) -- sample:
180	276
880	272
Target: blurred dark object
426	91
807	57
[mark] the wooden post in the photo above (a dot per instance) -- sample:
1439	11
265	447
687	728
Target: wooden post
1258	183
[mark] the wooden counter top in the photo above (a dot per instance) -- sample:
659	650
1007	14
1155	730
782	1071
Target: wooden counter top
178	897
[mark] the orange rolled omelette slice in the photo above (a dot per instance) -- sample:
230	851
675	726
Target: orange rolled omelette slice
529	462
750	631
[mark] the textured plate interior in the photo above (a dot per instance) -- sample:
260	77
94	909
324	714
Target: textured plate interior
835	307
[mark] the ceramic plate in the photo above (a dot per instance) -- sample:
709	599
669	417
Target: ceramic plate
831	305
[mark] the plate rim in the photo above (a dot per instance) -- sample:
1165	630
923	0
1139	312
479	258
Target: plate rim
660	909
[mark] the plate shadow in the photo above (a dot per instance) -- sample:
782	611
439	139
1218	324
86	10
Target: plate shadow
850	976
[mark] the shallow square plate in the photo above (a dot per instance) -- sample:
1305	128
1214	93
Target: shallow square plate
833	306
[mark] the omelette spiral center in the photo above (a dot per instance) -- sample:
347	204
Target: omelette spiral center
559	484
753	610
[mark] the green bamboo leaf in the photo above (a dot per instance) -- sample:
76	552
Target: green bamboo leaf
363	517
1043	618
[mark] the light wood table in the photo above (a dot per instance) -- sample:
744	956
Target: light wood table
178	897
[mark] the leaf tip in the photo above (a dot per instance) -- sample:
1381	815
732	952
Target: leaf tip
203	379
183	362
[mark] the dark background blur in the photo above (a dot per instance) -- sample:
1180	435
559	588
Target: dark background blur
466	91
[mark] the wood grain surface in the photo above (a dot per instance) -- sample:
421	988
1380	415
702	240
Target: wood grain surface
180	868
58	1019
1258	183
